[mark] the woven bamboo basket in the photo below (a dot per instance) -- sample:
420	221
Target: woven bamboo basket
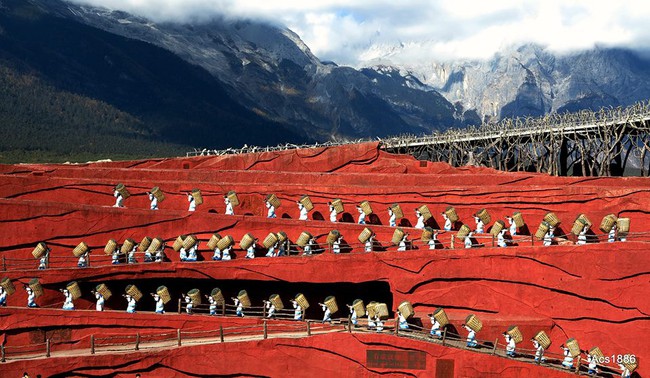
303	239
225	242
365	235
244	299
8	285
515	333
330	302
189	241
282	236
497	227
623	225
155	245
463	232
451	214
580	222
473	322
302	301
124	192
178	243
276	301
36	287
484	216
406	309
551	219
270	240
80	249
104	291
306	202
39	250
607	223
246	241
195	296
542	230
519	219
338	205
631	366
358	307
397	210
127	246
133	291
365	206
441	316
198	198
398	235
596	352
427	234
214	241
573	346
273	200
543	339
160	196
144	244
217	295
232	197
333	236
426	213
370	309
74	289
163	292
381	309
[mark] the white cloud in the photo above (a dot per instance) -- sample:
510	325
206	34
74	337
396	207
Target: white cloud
347	31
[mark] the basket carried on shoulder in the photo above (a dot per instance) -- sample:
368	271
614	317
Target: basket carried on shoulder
306	202
302	301
573	346
74	289
358	307
451	214
519	219
104	291
225	242
330	302
133	291
484	216
397	210
144	244
244	299
8	285
303	239
406	309
497	227
198	198
80	249
246	241
276	301
365	235
551	219
39	250
365	206
542	338
195	296
473	322
273	200
441	316
217	295
163	292
124	192
424	210
232	197
160	196
214	240
270	240
515	333
608	223
338	205
36	287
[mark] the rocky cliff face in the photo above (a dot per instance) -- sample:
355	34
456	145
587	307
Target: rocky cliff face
268	69
530	81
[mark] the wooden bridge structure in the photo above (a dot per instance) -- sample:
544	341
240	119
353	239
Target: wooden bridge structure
608	142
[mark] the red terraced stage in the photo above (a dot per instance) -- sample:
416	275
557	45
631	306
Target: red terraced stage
595	293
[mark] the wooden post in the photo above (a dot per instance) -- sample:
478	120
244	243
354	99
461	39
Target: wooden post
578	366
178	336
2	353
263	310
137	341
4	263
452	241
266	335
92	344
396	326
221	333
308	328
223	308
532	239
444	336
47	348
350	323
494	350
179	305
493	240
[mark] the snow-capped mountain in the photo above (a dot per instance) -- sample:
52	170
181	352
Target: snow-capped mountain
528	80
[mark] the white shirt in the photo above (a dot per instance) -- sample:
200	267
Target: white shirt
468	242
303	212
501	240
511	344
548	238
297	311
271	309
30	296
82	259
568	359
432	242
190	199
160	305
182	253
250	252
154	202
327	315
192	254
582	237
118	199
402	244
362	217
188	304
392	221
226	253
513	227
447	226
336	246
3	295
271	212
611	237
333	214
435	325
131	304
420	222
229	209
471	335
480	227
99	305
67	303
307	249
369	244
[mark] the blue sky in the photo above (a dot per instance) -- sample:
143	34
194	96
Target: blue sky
353	31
